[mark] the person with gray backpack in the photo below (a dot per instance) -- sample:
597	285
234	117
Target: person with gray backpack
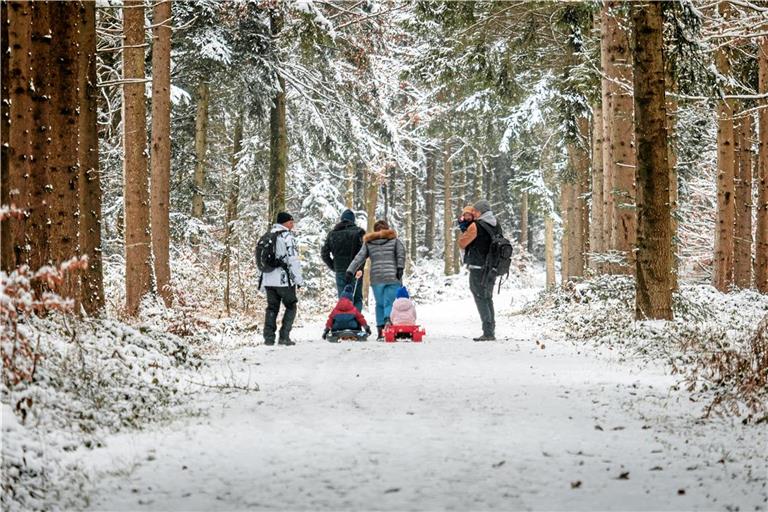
277	256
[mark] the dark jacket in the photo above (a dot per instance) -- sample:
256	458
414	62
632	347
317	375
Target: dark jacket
387	255
342	244
345	316
477	251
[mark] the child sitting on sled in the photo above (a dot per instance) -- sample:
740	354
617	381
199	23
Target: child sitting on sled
403	309
345	316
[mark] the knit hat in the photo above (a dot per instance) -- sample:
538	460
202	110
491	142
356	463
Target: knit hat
469	209
283	217
402	293
483	206
348	292
348	215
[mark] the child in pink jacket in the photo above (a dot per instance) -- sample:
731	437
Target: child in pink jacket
403	309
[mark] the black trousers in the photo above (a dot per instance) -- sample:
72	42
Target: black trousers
481	287
275	296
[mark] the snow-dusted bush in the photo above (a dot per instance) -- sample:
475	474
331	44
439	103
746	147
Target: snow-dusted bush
716	341
68	381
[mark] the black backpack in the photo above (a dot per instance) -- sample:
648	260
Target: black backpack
499	258
266	259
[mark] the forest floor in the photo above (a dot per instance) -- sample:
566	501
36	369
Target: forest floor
532	421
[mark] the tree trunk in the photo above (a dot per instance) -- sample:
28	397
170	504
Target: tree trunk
5	124
138	259
18	131
722	270
742	248
619	154
577	211
549	250
477	181
585	185
596	228
64	170
447	209
413	205
565	247
653	298
408	218
371	200
161	147
349	195
232	206
460	201
761	228
39	222
278	141
524	220
672	108
201	143
429	199
90	178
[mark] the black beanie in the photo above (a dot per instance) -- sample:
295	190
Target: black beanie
284	217
348	215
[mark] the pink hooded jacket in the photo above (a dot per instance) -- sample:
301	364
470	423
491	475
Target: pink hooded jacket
403	312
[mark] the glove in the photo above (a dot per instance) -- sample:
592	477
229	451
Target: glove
463	225
368	330
325	333
348	277
399	274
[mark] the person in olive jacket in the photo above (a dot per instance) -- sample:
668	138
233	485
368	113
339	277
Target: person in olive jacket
342	244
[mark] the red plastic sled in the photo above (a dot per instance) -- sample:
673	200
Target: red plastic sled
394	332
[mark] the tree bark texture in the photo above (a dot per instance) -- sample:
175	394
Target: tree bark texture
722	269
653	298
447	209
549	251
373	181
565	207
596	245
761	227
524	220
619	153
429	200
232	206
201	145
742	246
64	166
92	281
19	134
278	141
160	157
6	252
413	205
39	222
138	259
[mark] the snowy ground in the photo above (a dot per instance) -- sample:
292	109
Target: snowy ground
446	424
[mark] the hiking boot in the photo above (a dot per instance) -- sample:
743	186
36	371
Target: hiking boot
485	338
269	342
286	342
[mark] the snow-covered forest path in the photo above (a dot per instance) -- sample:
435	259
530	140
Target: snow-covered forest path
446	424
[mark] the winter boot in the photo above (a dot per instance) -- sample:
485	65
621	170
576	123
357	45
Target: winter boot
380	336
485	338
286	342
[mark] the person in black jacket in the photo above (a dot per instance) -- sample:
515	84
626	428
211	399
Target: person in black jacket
476	242
342	244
